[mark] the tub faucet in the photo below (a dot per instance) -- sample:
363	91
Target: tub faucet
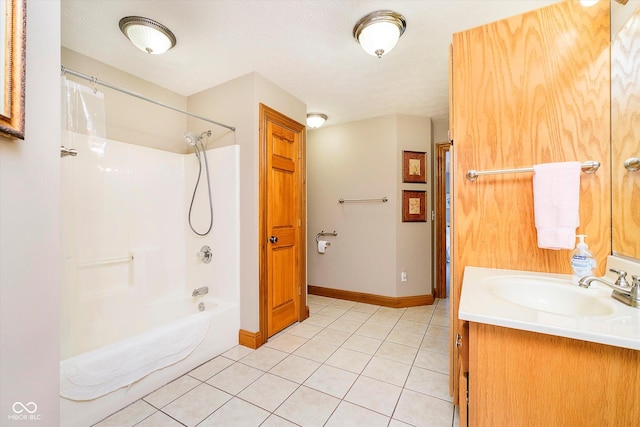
200	291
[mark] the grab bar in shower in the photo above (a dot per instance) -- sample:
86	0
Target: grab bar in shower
590	166
106	261
383	200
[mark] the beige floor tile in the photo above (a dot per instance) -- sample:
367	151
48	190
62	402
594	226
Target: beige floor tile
398	352
238	352
308	407
235	378
350	415
405	338
365	308
342	303
437	332
319	320
431	360
411	326
212	367
373	330
386	370
391	312
170	392
362	344
286	342
295	368
234	413
316	350
159	419
332	311
421	410
384	320
373	394
437	345
330	380
276	421
129	416
196	405
357	316
331	337
264	358
396	423
345	325
429	382
305	330
417	316
440	320
349	360
268	392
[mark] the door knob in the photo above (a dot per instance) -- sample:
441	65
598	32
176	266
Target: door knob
273	239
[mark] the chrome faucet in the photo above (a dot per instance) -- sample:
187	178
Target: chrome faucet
622	291
200	291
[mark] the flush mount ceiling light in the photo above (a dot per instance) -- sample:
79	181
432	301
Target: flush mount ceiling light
379	31
315	120
147	35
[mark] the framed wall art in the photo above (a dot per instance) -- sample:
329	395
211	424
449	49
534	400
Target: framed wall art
414	166
414	207
12	73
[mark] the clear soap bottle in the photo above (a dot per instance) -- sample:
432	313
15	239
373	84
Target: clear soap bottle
582	261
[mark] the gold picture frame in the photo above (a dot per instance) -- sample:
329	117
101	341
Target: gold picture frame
414	208
14	32
414	166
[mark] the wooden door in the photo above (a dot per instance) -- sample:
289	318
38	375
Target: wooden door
282	233
441	219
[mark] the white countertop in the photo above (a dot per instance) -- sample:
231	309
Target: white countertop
478	303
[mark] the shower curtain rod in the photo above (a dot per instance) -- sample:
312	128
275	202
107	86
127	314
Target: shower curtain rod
94	80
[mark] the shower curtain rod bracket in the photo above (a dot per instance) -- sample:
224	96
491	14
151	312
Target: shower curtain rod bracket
96	81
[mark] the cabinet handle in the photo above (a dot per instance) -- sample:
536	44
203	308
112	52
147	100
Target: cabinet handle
458	340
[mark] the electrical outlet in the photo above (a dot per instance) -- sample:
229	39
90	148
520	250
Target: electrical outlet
403	276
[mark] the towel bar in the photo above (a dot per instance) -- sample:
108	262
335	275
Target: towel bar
590	166
383	200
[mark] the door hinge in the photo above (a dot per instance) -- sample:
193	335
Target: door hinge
433	215
299	290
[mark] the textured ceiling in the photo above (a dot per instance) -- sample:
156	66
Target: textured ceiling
305	47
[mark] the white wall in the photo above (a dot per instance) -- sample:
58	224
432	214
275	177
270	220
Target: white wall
236	103
362	160
30	251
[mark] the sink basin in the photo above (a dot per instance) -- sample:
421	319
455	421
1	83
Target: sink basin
548	295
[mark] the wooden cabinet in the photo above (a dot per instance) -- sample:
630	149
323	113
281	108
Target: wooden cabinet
520	378
529	89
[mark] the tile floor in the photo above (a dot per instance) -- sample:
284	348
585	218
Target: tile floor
349	364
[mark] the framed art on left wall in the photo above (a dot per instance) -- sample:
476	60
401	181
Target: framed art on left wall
13	32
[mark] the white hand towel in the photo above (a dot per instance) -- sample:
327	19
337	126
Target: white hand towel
556	201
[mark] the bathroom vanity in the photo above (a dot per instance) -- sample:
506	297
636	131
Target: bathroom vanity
549	353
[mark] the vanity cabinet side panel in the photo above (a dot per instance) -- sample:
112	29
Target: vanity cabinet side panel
530	89
526	378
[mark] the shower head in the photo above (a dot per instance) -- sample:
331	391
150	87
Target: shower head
192	139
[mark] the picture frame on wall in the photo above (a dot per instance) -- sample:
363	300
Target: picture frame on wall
12	73
414	166
414	208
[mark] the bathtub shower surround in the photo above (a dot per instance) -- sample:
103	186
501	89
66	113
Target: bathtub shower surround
130	267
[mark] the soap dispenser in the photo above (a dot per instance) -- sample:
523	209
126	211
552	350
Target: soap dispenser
582	262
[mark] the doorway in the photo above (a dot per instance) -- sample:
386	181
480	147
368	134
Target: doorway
442	223
282	222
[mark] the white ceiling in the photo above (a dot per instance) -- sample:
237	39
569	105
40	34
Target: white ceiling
306	47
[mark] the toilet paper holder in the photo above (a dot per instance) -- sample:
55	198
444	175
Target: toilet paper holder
323	233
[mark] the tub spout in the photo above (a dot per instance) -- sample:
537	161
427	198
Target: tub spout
200	291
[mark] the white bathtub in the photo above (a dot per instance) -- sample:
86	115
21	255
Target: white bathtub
221	335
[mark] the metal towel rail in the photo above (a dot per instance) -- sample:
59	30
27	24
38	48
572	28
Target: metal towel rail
590	166
383	200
